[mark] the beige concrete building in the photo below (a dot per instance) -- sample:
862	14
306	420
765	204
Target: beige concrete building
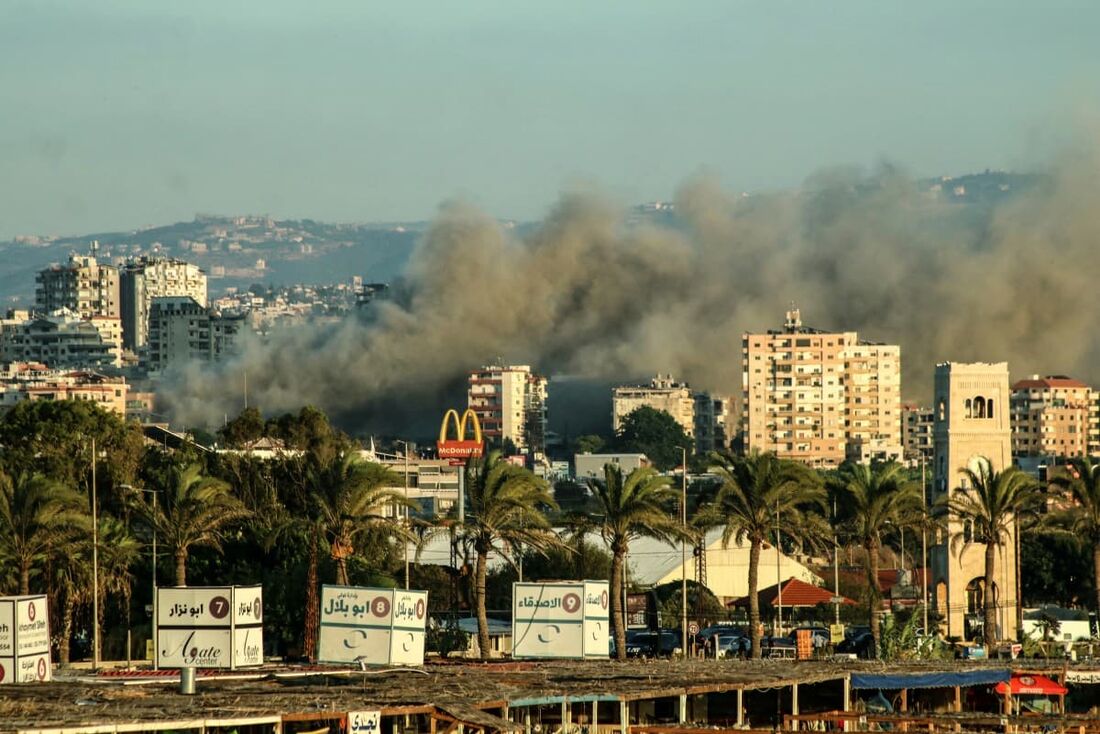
510	403
82	285
63	339
971	423
143	279
21	381
708	418
1054	416
182	331
916	433
821	397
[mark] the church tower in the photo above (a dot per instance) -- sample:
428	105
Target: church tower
971	421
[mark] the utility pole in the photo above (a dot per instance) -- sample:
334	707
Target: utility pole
924	541
95	568
684	554
778	580
408	521
836	566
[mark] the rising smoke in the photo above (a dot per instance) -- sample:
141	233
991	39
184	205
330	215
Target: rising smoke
586	292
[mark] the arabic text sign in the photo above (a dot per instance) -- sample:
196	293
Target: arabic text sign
372	626
364	722
210	627
24	639
560	620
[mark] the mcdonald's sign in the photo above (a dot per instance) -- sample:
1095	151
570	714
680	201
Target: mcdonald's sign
460	448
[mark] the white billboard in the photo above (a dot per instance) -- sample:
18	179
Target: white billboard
567	619
210	626
24	639
372	626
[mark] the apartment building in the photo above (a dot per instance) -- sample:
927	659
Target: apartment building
1054	416
63	339
143	279
182	331
82	286
821	397
510	403
21	381
916	433
662	393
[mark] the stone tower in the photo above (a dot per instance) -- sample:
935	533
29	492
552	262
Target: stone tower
971	420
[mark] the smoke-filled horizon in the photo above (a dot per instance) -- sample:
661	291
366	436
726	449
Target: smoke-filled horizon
586	293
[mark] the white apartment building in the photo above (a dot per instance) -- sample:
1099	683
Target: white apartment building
63	339
821	397
82	285
21	381
143	279
510	403
1054	416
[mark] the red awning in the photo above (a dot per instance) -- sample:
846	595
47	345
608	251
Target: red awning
1031	685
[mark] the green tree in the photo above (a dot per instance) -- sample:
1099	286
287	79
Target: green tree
351	496
589	444
758	494
656	434
1082	520
639	504
875	500
192	510
244	429
37	515
506	508
119	550
987	510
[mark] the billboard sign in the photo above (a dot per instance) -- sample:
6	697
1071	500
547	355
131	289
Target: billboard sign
568	619
372	626
460	448
24	639
364	722
209	626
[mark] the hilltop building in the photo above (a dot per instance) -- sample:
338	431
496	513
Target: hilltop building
821	397
705	417
971	424
82	286
143	279
182	331
1054	416
510	403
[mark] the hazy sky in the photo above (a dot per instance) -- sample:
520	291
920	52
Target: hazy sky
115	115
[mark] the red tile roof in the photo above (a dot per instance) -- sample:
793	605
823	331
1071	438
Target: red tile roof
1048	382
796	593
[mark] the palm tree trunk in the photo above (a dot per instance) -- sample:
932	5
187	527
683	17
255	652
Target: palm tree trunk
64	648
181	567
483	643
754	601
25	577
616	606
874	596
342	571
309	643
989	622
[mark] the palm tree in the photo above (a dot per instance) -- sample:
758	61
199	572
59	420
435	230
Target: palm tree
36	514
350	498
119	550
630	507
505	507
758	493
987	511
1082	479
193	510
875	499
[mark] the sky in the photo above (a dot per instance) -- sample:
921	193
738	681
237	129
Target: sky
116	115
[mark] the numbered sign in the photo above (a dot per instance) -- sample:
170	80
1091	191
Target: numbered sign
372	626
209	626
24	639
560	620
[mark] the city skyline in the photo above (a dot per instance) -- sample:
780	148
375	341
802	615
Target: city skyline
123	114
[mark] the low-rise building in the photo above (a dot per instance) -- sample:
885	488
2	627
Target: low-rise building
707	418
590	466
21	381
63	339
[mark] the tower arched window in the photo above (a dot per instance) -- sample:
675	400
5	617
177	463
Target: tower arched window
989	408
979	407
969	408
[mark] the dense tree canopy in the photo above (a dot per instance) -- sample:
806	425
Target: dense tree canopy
656	434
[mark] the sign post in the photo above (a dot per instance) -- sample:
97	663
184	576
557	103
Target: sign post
24	639
568	619
372	626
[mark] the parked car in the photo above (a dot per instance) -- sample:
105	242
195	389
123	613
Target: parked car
661	644
777	647
732	645
859	645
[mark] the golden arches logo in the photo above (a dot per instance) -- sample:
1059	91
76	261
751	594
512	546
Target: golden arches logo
460	448
460	425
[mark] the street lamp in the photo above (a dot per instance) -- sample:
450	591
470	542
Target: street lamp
153	626
408	524
683	554
95	567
